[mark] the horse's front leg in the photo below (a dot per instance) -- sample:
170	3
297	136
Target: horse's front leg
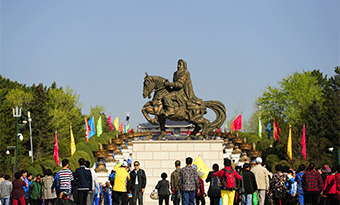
148	109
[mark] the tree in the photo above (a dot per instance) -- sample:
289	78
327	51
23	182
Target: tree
42	129
64	108
295	94
305	98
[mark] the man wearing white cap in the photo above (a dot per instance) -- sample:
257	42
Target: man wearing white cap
262	180
120	189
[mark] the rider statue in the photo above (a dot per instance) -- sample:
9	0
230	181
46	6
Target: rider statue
182	90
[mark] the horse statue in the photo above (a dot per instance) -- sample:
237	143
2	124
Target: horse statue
191	111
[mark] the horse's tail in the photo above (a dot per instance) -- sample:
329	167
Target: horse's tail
220	112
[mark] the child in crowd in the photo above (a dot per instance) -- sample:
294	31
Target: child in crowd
163	189
108	194
200	195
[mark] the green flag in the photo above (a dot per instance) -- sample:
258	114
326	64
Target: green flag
226	125
99	127
260	129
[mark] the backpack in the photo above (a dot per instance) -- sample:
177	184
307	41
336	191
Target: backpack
289	184
278	186
112	178
228	180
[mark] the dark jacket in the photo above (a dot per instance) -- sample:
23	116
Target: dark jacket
83	178
249	181
18	189
163	187
215	185
141	179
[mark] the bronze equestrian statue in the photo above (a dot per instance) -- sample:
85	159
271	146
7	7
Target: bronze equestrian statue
177	101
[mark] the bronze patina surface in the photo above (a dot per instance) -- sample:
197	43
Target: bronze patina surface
176	101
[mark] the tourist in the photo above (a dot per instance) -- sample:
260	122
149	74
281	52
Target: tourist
36	191
325	171
214	191
262	180
18	191
163	189
228	184
312	185
329	189
298	180
292	187
278	185
94	184
137	184
48	195
175	191
26	179
97	195
188	182
107	194
63	180
201	194
249	184
120	188
337	179
83	181
129	160
5	190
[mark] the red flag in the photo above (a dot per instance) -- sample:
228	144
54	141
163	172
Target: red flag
87	130
303	143
121	127
277	130
131	131
56	150
237	124
219	130
109	121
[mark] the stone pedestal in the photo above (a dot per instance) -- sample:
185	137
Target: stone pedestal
156	157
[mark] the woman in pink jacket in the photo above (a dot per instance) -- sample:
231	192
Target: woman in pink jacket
329	189
337	179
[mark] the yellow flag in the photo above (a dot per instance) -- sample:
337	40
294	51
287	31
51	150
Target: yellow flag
73	144
115	123
202	169
289	145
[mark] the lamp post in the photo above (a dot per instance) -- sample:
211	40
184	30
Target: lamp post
29	123
16	114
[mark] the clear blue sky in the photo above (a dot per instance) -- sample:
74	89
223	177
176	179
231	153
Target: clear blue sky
101	49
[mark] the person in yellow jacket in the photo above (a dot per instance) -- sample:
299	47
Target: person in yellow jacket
120	188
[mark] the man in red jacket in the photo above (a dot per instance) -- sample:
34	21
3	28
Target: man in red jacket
228	193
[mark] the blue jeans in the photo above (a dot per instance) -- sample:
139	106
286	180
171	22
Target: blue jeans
247	199
188	197
176	197
5	201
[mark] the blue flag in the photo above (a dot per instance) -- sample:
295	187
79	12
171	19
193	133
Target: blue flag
91	124
269	131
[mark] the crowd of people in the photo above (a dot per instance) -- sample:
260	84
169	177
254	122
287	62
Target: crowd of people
241	184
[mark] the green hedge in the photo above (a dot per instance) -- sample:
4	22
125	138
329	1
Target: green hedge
48	164
83	146
33	171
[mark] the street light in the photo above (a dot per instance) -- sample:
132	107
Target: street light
29	123
16	114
